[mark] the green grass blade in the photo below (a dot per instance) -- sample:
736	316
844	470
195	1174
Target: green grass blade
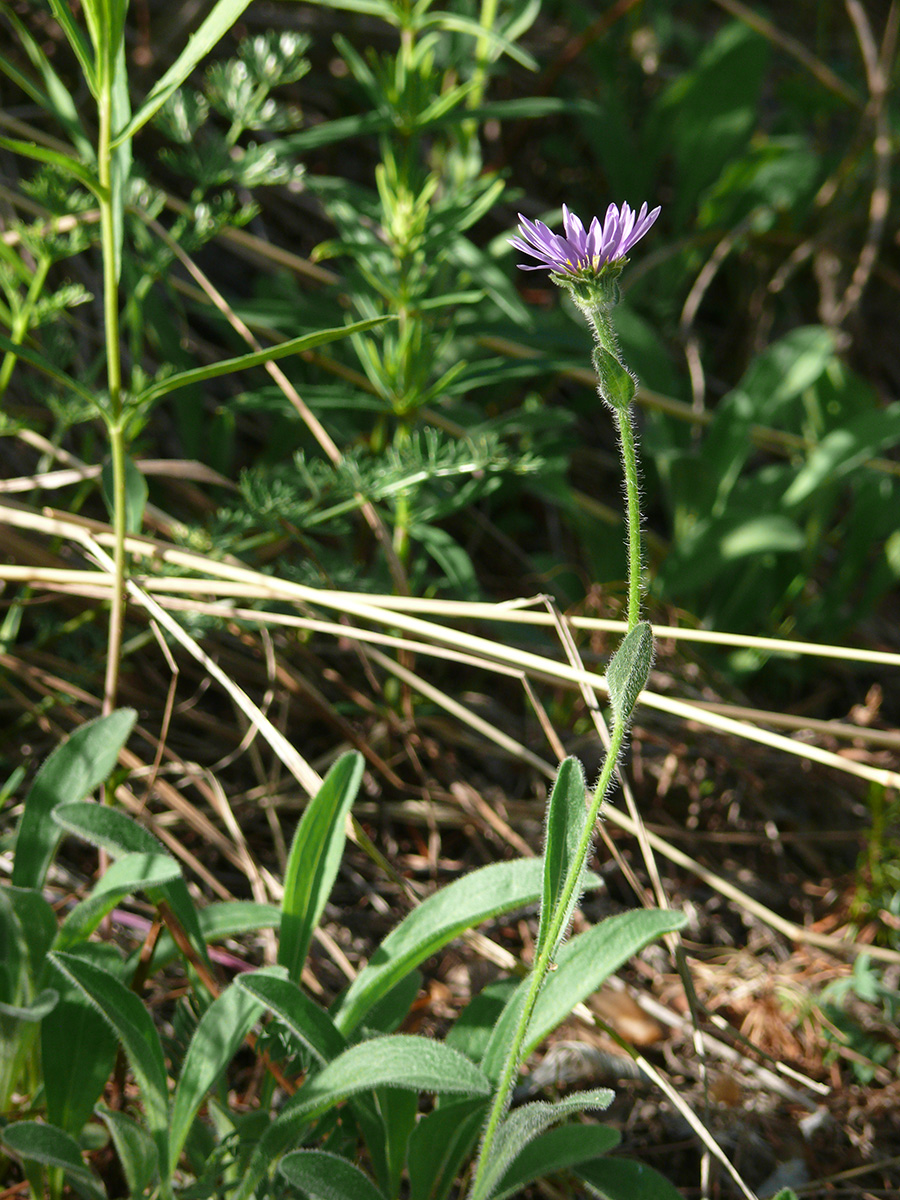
216	25
73	770
314	860
258	358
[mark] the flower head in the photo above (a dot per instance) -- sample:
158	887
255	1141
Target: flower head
579	252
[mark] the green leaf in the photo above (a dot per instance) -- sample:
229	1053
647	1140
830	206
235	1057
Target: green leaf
476	897
412	1063
622	1179
133	873
440	1144
54	158
216	1039
843	450
324	1176
217	922
120	156
74	769
311	1025
216	25
582	965
76	40
314	859
629	670
38	922
523	1125
135	494
133	1025
297	345
556	1150
51	1147
43	1003
566	816
45	366
135	1148
81	1047
772	533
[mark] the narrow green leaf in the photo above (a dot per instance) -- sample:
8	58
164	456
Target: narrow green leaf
74	769
45	366
54	158
314	860
324	1176
133	873
76	40
38	923
629	670
843	450
474	898
40	1006
523	1125
622	1179
311	1025
216	1039
51	1147
133	1025
307	341
216	25
120	157
556	1150
566	816
135	1148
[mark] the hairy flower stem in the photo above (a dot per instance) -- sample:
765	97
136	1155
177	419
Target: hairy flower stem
113	413
616	389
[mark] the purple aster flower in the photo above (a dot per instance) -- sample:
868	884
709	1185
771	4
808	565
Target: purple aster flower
581	251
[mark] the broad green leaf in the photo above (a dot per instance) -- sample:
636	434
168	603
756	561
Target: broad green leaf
133	1025
566	816
414	1063
74	769
311	1025
135	1148
216	25
523	1125
622	1179
228	366
80	1049
582	965
133	873
440	1144
629	670
771	533
476	897
44	365
37	921
51	1147
314	859
324	1176
589	959
135	494
556	1150
216	1039
845	449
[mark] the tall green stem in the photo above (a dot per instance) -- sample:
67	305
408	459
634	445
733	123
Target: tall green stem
113	414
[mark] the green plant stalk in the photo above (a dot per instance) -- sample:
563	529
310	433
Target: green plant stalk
616	389
113	414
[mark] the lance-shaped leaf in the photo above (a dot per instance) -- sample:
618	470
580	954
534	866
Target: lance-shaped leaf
566	816
73	770
629	670
623	1179
312	1027
314	860
133	873
324	1176
52	1147
556	1150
